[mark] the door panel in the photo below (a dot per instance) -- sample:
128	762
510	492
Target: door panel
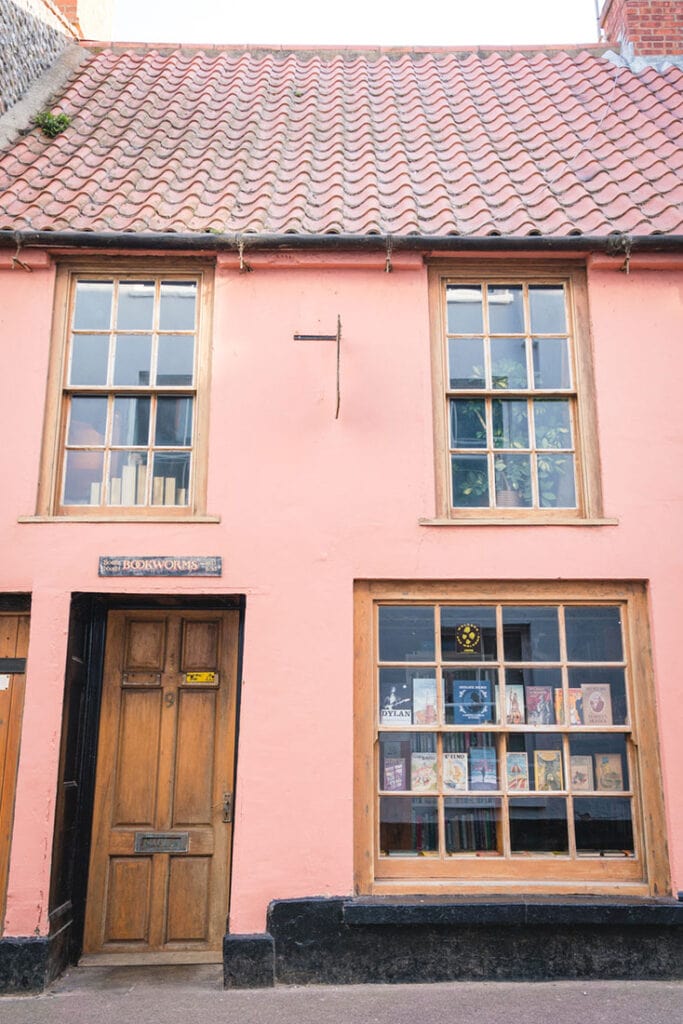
137	763
195	760
188	920
159	867
14	646
128	899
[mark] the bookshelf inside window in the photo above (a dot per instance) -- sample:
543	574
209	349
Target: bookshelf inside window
505	736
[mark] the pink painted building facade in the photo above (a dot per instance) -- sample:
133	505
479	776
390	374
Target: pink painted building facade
431	467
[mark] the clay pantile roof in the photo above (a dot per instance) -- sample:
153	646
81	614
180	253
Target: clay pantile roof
356	142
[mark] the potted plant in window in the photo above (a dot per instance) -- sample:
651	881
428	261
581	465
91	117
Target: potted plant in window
513	481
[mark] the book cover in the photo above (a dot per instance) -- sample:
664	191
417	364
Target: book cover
394	773
597	704
575	706
454	772
483	768
424	701
608	773
423	771
539	705
472	702
581	773
514	704
395	704
517	770
548	769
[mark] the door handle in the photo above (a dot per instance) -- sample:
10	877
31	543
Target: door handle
227	808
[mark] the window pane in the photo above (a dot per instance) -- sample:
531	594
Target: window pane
407	762
551	363
547	310
83	478
132	360
598	762
513	481
408	826
531	634
464	309
508	363
470	481
552	424
603	826
593	633
538	825
177	305
406	633
171	482
175	365
510	424
603	694
470	696
538	696
468	423
93	305
506	310
136	306
473	825
89	356
127	478
407	696
466	363
468	633
87	421
131	421
174	421
556	481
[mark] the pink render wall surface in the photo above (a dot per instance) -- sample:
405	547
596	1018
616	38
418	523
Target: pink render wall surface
308	504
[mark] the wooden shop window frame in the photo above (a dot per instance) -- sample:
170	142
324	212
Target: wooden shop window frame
642	873
50	506
580	394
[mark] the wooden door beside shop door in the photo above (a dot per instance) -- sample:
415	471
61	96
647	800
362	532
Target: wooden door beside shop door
162	822
13	648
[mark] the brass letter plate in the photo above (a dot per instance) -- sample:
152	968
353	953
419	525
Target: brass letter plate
162	842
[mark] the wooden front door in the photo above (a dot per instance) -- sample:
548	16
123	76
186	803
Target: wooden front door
13	648
160	856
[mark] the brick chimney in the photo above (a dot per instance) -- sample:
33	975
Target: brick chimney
654	28
92	19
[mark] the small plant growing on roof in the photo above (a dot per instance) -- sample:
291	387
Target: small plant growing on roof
51	124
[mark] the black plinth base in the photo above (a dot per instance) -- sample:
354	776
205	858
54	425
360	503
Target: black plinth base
418	939
248	961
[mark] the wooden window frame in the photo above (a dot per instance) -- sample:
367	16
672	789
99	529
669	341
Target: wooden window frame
644	874
572	275
58	391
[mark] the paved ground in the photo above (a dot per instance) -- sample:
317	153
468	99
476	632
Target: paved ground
193	995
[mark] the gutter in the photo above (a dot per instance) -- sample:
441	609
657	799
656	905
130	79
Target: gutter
616	244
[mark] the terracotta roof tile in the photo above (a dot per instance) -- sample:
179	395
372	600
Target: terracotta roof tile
425	142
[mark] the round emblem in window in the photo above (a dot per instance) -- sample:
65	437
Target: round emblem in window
468	637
